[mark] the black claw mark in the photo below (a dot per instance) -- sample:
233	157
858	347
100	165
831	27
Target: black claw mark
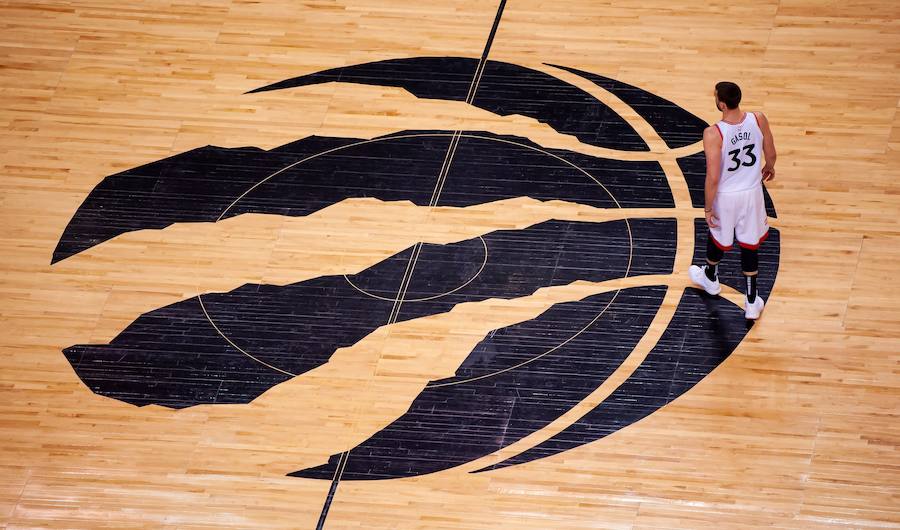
701	335
505	390
200	185
504	89
676	126
174	356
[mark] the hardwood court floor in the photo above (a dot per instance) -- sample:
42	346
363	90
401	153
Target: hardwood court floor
797	428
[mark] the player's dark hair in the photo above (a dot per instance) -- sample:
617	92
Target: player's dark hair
729	94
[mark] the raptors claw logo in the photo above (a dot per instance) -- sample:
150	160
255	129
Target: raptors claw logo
231	347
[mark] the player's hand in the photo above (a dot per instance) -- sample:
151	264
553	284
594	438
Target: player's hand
712	220
768	173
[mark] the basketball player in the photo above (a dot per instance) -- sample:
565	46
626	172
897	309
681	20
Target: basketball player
734	196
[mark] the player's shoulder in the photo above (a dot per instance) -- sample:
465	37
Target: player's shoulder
760	117
712	132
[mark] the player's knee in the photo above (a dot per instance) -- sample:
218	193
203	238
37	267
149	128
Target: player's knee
714	254
749	260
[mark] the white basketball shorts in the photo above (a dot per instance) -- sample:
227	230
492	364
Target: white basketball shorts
742	214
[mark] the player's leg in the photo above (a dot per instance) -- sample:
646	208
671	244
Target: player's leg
754	303
752	229
714	255
707	275
718	240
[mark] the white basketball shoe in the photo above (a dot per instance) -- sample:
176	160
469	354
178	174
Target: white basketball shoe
752	311
698	276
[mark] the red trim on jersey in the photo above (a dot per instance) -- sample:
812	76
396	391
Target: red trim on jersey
720	245
756	246
720	132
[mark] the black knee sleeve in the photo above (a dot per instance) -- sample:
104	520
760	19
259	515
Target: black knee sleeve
749	260
714	254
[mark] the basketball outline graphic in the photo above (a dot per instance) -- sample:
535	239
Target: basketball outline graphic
231	347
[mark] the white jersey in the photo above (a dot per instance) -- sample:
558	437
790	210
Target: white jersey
741	155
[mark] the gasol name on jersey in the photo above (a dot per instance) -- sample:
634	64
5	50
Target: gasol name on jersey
740	136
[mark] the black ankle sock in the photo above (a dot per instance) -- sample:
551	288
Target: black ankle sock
751	288
712	271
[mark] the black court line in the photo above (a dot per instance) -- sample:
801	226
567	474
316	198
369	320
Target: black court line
333	489
451	149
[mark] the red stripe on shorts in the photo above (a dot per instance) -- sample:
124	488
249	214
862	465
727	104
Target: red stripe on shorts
720	245
756	246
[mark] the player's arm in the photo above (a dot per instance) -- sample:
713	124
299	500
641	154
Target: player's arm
712	146
768	171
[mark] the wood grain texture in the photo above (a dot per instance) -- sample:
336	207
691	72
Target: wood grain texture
798	429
